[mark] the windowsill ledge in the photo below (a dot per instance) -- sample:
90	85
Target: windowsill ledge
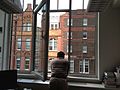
75	84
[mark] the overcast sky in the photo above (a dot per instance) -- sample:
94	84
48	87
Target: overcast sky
76	4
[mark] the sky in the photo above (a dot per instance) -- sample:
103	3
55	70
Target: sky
76	4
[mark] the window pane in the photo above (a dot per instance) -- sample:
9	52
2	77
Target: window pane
21	38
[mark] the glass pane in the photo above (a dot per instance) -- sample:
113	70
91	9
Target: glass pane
79	4
22	31
83	40
40	43
59	4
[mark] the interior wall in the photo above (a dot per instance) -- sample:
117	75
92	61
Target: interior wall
109	40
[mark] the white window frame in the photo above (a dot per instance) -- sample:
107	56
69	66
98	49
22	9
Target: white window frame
68	35
19	44
85	21
84	63
71	66
84	33
27	59
52	44
18	64
85	48
28	26
70	48
68	22
27	43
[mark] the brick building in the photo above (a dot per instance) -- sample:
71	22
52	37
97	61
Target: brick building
82	48
22	40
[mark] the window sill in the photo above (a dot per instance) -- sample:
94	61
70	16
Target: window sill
31	82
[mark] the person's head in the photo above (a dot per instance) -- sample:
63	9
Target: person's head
60	54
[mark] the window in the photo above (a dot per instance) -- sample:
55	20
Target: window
84	66
18	63
19	43
70	48
52	44
24	27
84	49
54	26
27	62
68	35
68	22
29	26
85	21
84	35
28	43
71	66
58	41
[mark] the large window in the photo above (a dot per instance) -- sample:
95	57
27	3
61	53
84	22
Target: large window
53	32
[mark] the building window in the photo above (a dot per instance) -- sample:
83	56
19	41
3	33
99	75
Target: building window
84	66
68	22
18	63
27	26
24	27
85	21
56	26
19	43
52	26
27	62
70	48
84	49
84	35
52	44
71	66
68	35
28	42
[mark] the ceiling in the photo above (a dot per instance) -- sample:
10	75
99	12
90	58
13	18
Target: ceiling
99	5
9	6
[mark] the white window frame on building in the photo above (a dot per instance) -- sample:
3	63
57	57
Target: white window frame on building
68	35
19	44
70	48
29	26
54	26
27	59
27	43
85	21
68	22
18	61
84	35
84	66
84	48
71	66
52	44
